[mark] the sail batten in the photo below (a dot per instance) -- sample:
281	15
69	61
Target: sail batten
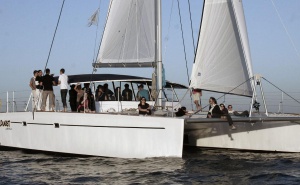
223	62
129	36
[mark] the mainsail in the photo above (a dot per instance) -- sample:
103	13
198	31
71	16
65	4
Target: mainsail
129	36
223	61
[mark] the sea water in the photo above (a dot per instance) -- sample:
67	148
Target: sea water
198	166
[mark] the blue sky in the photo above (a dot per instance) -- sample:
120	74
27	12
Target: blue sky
27	27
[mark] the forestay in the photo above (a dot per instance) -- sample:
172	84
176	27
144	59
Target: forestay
223	59
129	36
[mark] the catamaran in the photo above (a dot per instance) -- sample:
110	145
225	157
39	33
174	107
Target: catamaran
132	38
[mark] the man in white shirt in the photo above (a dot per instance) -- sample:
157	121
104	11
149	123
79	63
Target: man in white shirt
63	82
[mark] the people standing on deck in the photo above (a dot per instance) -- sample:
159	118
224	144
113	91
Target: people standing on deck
39	88
197	93
72	98
144	108
80	93
63	82
90	97
97	92
118	94
84	104
127	93
100	95
107	91
142	92
48	82
32	85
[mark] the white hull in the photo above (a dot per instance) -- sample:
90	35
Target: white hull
107	135
270	134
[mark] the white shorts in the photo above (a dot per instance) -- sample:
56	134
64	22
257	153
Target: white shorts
196	96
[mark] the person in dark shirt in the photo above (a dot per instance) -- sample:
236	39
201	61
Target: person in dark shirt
216	112
214	109
181	112
39	79
48	82
100	95
73	98
107	91
127	93
144	108
90	97
224	110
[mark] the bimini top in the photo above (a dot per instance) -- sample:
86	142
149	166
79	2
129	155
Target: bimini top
87	78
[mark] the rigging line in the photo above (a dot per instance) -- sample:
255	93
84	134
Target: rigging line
281	90
186	65
192	28
286	31
54	35
187	70
168	28
95	44
95	60
179	102
94	57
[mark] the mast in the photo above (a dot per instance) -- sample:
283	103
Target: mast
158	51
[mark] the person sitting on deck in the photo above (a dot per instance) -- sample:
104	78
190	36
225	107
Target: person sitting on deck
144	108
223	109
216	112
181	112
235	113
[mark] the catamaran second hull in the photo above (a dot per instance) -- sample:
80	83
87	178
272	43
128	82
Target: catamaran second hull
261	134
107	135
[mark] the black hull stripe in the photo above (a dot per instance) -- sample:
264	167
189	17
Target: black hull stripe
111	126
67	125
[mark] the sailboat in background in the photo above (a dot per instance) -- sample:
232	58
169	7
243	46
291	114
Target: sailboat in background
132	38
223	64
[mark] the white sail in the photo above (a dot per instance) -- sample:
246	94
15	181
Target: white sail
129	36
223	61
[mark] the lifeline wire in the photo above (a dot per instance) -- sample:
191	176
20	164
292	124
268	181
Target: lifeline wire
223	95
289	36
192	28
281	90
